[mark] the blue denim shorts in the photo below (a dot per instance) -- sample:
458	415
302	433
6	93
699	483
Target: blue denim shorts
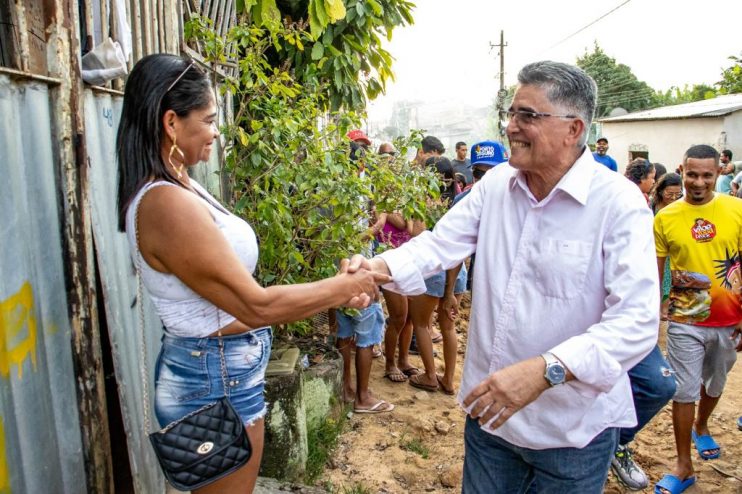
188	374
367	327
436	284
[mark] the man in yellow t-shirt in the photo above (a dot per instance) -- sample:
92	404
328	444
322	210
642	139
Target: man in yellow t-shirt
702	235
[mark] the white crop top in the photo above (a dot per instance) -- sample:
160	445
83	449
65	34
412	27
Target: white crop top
183	312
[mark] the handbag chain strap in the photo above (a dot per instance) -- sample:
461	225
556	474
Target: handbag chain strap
143	346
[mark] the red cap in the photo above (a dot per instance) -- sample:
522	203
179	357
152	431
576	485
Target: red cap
358	136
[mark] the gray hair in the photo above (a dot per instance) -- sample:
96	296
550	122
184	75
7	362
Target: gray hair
566	86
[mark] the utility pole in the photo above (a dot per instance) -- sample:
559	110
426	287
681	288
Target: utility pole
502	92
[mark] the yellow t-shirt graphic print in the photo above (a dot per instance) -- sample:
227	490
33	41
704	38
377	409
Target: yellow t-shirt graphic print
705	242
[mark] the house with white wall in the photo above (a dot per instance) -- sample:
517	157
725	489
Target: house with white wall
663	134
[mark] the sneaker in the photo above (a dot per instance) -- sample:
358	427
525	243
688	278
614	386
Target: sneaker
627	471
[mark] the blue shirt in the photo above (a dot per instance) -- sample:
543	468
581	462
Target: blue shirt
609	162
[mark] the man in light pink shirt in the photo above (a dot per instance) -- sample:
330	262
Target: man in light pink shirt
565	296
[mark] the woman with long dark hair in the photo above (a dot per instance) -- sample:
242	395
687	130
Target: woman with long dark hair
196	259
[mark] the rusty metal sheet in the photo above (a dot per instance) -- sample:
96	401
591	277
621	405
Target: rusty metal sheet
102	115
40	441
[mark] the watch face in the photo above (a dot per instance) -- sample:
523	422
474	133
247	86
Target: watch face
556	374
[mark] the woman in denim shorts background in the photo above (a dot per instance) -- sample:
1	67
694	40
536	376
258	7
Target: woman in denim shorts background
445	302
195	258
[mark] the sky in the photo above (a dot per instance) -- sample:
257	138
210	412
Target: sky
445	56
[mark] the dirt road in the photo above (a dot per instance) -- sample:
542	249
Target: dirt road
418	447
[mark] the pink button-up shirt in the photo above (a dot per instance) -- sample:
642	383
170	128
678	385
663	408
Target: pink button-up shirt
574	274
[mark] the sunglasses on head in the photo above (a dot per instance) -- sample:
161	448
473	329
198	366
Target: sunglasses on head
188	67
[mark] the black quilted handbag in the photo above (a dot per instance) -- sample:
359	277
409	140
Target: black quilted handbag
202	446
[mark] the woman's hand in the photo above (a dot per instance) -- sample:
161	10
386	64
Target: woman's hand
362	284
450	306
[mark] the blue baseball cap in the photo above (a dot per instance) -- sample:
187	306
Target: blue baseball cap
488	153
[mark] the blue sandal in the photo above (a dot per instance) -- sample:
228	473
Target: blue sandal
704	444
673	485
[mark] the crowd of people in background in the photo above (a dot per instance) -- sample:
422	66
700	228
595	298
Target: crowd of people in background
698	289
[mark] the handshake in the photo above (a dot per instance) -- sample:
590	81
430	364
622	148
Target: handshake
362	278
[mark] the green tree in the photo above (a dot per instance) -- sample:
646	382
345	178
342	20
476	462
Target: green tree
686	94
289	168
617	84
731	77
335	44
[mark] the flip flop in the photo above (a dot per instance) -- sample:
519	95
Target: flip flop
442	388
704	444
673	485
411	371
381	406
396	377
376	353
437	338
415	383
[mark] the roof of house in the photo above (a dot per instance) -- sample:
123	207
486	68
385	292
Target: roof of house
715	107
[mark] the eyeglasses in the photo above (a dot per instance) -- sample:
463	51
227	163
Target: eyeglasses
527	117
672	195
172	85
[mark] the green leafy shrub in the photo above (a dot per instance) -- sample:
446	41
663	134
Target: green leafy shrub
288	166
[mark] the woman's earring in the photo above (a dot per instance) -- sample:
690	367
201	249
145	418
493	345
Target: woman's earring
174	148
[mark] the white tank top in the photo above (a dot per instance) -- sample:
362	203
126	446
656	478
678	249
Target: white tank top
183	312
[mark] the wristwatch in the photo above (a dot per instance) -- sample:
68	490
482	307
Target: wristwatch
555	372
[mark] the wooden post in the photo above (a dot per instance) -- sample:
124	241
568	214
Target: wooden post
71	156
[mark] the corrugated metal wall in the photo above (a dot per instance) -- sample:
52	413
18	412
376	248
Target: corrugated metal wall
40	443
102	115
53	427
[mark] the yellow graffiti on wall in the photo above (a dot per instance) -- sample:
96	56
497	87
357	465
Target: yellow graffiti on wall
16	315
4	472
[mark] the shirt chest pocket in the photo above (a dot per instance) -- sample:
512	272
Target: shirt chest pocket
561	267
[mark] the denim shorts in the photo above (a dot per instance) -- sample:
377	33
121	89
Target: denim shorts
700	355
188	374
367	327
436	284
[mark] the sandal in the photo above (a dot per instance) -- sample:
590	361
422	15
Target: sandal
397	376
411	371
673	485
436	337
443	389
381	406
376	352
704	444
415	383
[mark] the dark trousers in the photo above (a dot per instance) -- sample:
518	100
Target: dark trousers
652	386
493	465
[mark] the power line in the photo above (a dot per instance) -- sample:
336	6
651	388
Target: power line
587	26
